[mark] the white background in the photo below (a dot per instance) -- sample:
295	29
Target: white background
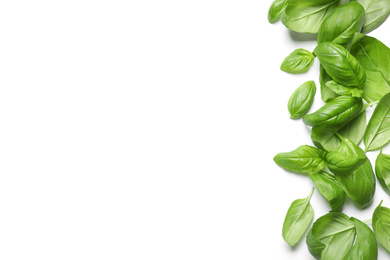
146	130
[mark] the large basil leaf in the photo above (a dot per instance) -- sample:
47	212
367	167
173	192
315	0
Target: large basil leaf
299	61
325	137
337	232
378	129
381	225
340	64
365	246
306	16
340	110
303	159
382	170
374	57
276	10
341	163
343	90
329	188
302	99
326	93
298	219
341	25
376	13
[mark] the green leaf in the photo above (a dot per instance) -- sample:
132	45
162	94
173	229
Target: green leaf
315	247
343	90
340	64
365	246
341	25
340	163
382	171
376	13
326	93
303	159
340	110
381	226
337	232
299	61
329	188
377	133
374	57
276	10
306	16
302	99
298	219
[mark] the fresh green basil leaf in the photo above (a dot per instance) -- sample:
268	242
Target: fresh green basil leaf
341	163
302	99
340	110
329	188
382	170
326	93
337	232
303	159
306	16
340	64
381	225
365	246
315	247
298	219
377	133
299	61
341	25
374	57
343	90
376	13
276	10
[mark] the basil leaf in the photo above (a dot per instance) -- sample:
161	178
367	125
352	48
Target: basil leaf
381	225
374	57
340	163
337	232
303	159
298	219
340	110
315	247
276	10
343	90
326	93
340	64
329	188
376	13
365	246
378	129
299	61
382	171
306	16
302	99
341	25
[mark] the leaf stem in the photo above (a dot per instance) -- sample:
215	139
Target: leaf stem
367	221
311	193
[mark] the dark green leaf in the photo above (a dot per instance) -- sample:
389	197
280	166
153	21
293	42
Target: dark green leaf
341	163
343	90
302	99
315	247
326	93
382	170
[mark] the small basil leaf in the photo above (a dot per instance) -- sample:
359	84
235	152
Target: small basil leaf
315	247
337	232
303	159
340	163
382	171
374	57
376	13
365	246
326	93
381	225
276	10
343	90
298	219
340	110
302	99
329	188
340	64
299	61
341	25
377	133
306	16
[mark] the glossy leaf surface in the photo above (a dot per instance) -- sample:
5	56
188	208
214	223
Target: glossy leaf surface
381	225
376	13
382	170
299	61
326	93
276	10
302	99
341	163
343	90
365	246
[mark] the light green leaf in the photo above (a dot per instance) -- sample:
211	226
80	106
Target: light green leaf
341	163
376	13
299	61
302	99
365	246
382	170
276	10
381	225
343	90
